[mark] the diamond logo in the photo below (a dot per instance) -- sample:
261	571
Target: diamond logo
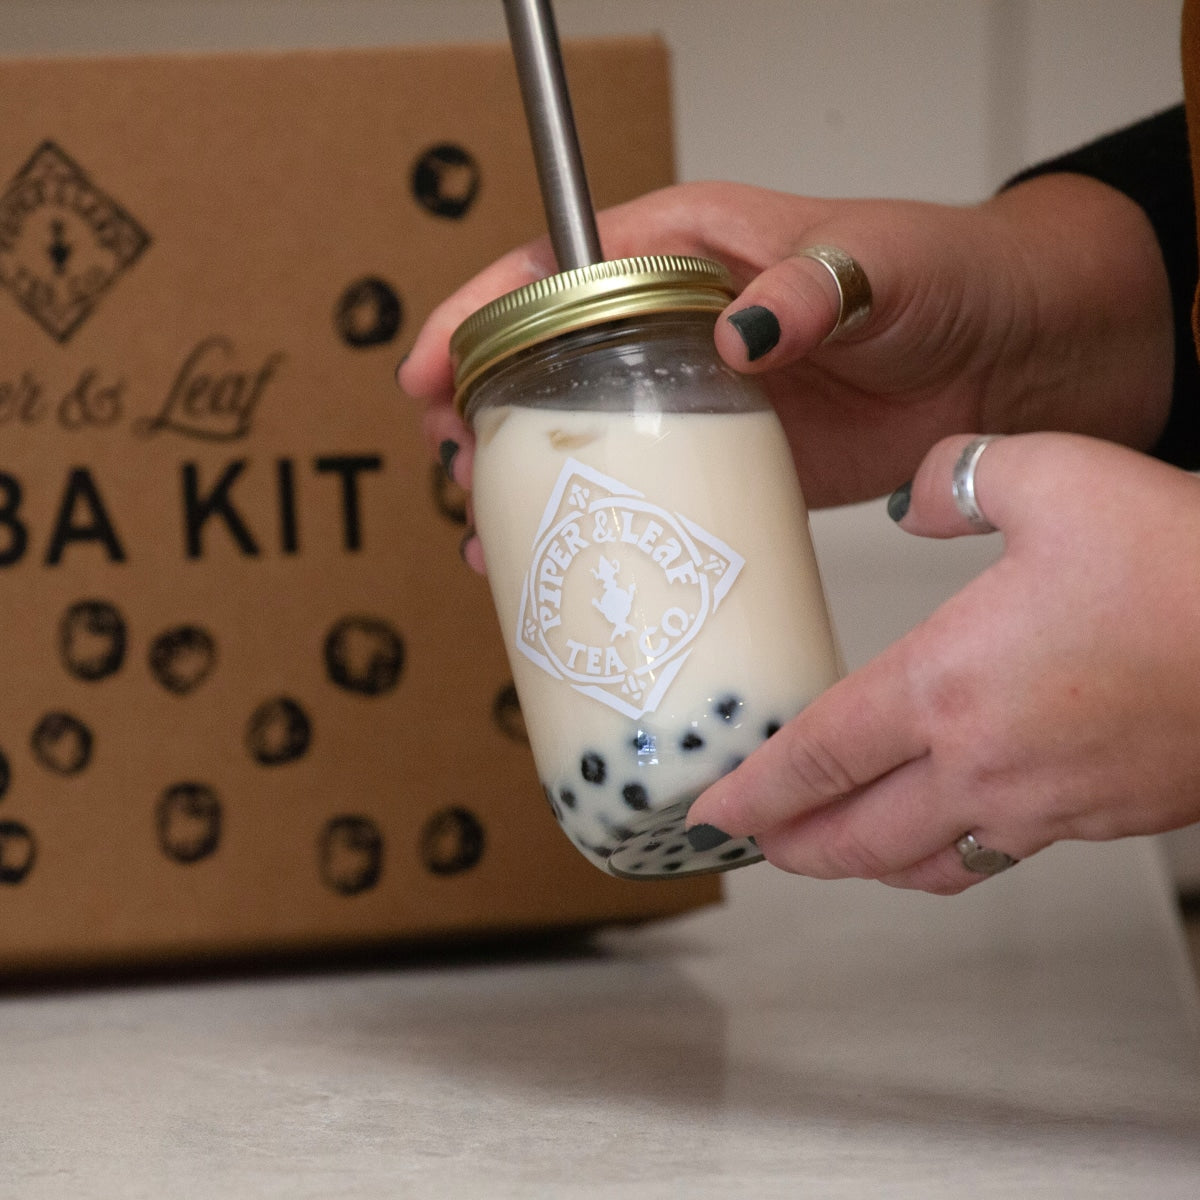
63	241
618	590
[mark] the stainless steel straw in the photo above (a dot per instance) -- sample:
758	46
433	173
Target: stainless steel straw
568	204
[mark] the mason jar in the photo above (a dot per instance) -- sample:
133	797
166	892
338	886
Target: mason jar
647	547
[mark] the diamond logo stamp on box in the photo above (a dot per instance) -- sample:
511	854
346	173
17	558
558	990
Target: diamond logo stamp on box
63	241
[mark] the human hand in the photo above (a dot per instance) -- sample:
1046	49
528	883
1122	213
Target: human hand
1056	696
1045	307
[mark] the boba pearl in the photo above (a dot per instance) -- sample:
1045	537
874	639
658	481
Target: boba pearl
636	796
593	768
621	833
644	744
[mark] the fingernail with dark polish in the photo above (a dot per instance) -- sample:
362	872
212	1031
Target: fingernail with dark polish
758	328
447	452
899	501
706	837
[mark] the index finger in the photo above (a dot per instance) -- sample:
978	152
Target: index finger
860	729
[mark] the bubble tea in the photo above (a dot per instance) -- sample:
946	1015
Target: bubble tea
647	547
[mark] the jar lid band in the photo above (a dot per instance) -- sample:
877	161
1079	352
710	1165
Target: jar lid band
603	292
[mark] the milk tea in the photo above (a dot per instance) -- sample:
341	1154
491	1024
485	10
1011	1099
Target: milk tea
661	605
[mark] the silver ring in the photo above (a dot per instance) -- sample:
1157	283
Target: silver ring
962	483
854	289
979	859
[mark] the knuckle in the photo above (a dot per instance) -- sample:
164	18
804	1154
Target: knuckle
816	770
854	858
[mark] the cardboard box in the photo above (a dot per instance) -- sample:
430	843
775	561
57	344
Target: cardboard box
252	700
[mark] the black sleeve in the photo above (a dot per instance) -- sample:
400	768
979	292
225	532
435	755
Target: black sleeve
1150	163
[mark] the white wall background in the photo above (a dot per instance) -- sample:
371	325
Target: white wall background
930	99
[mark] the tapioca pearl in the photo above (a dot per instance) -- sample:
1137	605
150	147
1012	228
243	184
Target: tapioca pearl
621	833
593	767
734	854
672	866
650	847
671	851
636	796
772	728
567	797
645	745
691	741
727	707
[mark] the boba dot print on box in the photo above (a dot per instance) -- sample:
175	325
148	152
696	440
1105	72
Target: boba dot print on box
360	654
252	702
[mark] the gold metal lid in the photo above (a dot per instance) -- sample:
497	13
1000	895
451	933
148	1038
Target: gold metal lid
591	295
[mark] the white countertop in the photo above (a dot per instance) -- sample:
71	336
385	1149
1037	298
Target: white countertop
1035	1037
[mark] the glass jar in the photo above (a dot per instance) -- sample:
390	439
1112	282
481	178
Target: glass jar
647	547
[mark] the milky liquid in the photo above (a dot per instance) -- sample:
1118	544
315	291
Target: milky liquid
661	607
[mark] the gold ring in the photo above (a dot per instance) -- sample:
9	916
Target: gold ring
854	289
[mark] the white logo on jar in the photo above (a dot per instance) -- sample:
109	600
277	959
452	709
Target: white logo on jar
618	590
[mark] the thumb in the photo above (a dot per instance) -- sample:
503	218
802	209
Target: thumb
792	307
960	487
1022	484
